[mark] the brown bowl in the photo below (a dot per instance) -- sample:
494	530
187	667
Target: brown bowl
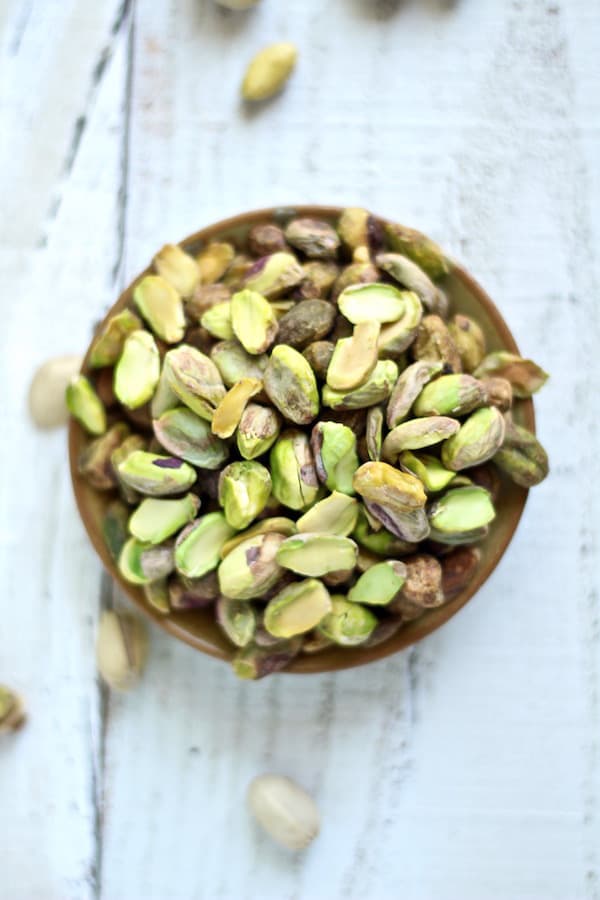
198	628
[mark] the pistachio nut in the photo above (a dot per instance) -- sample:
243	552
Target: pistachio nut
318	355
178	268
236	274
164	398
395	498
272	525
46	399
434	343
194	379
108	343
85	405
354	358
458	538
204	297
138	370
376	389
198	546
318	278
251	568
253	662
157	595
293	473
355	273
395	338
458	570
336	514
12	711
408	274
381	483
498	392
334	451
237	619
408	387
187	436
313	237
382	542
244	488
274	275
161	307
298	608
217	321
131	443
141	563
268	71
428	469
229	411
478	439
374	432
348	624
423	586
317	554
419	248
121	650
525	376
156	520
522	457
291	385
94	462
193	593
214	261
418	433
379	584
234	363
409	525
358	229
284	810
469	340
156	475
450	395
265	239
253	321
462	509
376	302
257	431
114	528
307	321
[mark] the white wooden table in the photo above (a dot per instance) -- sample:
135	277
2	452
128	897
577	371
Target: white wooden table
466	769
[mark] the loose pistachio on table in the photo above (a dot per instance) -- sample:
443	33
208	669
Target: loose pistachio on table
288	419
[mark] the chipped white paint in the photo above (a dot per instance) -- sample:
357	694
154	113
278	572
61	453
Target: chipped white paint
468	768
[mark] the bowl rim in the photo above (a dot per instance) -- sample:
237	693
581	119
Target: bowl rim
410	633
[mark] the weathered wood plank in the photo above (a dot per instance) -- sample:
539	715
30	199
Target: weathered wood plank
53	290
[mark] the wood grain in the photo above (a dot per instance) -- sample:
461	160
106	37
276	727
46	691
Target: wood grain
466	768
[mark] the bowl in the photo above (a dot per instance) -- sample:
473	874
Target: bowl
198	628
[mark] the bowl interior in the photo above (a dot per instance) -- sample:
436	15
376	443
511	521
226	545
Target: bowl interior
198	628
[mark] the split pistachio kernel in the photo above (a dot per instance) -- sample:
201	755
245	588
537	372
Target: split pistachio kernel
161	307
85	405
293	415
138	370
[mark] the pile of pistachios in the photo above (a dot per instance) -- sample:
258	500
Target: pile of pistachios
301	434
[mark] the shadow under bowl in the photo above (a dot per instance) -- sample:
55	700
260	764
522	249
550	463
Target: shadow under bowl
198	628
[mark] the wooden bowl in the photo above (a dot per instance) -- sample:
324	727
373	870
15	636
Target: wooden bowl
198	628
